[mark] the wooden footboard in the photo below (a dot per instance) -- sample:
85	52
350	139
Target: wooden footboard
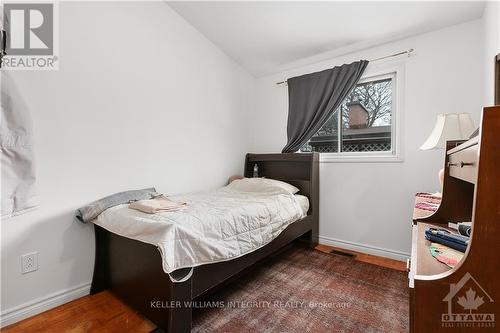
133	271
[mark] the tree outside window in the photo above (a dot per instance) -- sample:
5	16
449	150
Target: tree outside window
365	124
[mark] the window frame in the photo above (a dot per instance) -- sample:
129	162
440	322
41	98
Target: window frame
376	72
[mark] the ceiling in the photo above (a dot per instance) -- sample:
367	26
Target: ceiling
263	37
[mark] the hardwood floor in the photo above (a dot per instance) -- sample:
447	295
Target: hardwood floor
101	313
368	258
104	313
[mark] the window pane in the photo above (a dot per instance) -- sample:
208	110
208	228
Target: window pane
365	124
366	117
326	139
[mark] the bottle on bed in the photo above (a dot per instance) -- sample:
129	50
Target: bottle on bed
255	171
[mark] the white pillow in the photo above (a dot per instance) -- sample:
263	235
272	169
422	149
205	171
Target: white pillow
261	185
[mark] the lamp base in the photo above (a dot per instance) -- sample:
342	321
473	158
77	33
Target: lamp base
441	177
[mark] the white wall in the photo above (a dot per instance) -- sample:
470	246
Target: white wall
368	206
491	21
141	99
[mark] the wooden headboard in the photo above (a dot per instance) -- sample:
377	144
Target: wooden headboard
299	169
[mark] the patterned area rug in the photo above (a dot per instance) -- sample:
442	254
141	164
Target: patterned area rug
305	290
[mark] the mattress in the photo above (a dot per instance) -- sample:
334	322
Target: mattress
215	226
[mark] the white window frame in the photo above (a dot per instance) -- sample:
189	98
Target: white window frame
374	72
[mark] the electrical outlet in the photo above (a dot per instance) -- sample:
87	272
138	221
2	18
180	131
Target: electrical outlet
29	262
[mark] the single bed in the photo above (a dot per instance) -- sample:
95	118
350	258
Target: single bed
136	271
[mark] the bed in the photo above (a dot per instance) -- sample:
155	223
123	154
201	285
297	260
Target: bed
135	271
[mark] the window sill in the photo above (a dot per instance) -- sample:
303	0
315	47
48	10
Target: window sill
340	158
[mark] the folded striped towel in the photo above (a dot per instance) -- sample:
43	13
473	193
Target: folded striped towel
158	204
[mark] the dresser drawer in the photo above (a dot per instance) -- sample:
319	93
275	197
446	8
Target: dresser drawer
463	164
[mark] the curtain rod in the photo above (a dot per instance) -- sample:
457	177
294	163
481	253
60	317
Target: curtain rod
408	52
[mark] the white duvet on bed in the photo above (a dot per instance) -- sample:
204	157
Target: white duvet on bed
215	226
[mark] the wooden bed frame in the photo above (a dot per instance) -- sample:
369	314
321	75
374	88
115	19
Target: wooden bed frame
132	270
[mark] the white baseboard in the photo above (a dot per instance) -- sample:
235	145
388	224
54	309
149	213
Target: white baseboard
42	304
368	249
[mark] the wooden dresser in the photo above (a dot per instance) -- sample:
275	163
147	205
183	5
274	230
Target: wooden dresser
465	298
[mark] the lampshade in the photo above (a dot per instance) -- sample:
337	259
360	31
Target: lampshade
449	126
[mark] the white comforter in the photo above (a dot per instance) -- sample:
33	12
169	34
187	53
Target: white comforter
215	226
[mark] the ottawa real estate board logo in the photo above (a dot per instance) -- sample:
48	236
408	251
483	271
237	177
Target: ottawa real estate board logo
468	305
31	36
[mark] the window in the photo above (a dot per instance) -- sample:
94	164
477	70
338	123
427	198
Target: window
363	125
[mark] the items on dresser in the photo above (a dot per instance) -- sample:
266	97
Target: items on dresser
446	255
426	204
463	228
441	236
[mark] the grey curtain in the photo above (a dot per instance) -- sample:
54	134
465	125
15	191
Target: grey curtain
314	97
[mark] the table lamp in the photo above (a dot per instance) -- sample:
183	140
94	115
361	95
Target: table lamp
449	126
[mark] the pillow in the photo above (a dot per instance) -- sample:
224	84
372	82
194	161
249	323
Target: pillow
261	185
233	178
